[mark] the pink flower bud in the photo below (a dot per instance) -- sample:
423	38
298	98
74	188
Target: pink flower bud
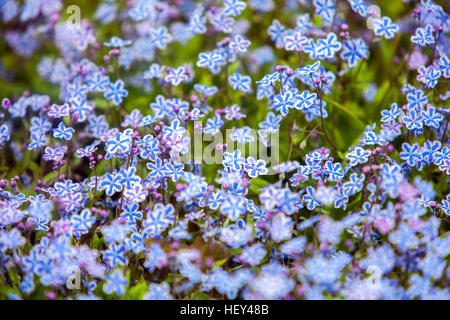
194	98
6	103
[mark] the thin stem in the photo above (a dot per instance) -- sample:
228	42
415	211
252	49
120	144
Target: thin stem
69	146
291	142
319	92
445	130
226	78
124	188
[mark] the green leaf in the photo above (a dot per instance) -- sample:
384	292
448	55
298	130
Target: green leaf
351	114
258	184
220	263
138	291
202	296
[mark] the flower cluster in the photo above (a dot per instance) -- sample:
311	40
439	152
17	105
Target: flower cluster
101	195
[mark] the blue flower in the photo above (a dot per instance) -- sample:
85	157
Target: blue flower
160	107
390	115
66	187
355	184
414	120
429	76
176	76
208	60
269	79
77	90
56	154
253	255
239	43
149	147
128	177
174	171
295	42
254	168
311	49
333	170
353	51
359	6
120	143
411	153
287	201
271	124
114	256
431	117
156	257
215	200
196	24
233	207
233	7
98	82
308	69
358	156
154	71
341	199
156	169
423	36
158	292
40	125
81	108
404	237
135	243
115	283
175	129
115	92
444	64
416	99
385	28
11	240
281	227
213	125
160	37
240	82
282	102
116	42
233	161
445	206
59	111
310	199
325	8
371	138
305	100
158	220
221	22
328	47
82	222
63	132
205	89
111	183
276	32
131	212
